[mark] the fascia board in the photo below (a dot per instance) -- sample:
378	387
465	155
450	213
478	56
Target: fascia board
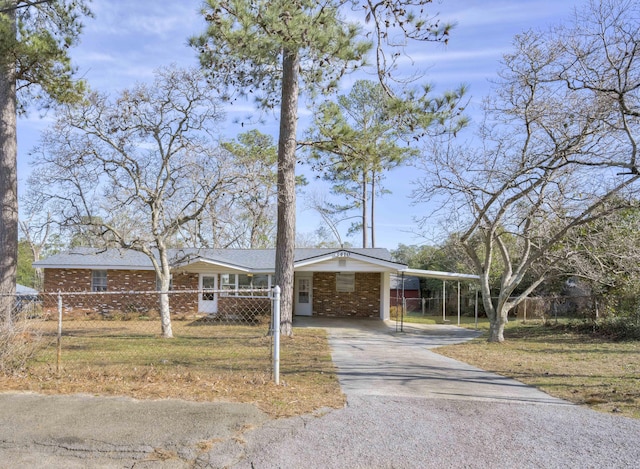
223	265
439	275
345	254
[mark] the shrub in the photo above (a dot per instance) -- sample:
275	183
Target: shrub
611	328
19	342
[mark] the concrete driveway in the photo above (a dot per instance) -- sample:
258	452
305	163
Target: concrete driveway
408	407
376	358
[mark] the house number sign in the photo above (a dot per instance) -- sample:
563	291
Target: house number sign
342	254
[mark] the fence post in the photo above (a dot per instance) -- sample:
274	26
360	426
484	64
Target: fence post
59	351
276	334
475	309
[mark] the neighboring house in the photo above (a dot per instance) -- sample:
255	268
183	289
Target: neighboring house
405	286
24	291
26	299
327	282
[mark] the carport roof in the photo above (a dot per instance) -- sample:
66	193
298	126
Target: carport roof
440	275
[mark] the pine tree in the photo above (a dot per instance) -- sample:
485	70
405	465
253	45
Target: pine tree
34	69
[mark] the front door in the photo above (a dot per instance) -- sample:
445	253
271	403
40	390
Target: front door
303	294
208	298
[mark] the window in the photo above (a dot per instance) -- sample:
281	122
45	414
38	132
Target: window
246	282
98	280
228	281
208	283
345	282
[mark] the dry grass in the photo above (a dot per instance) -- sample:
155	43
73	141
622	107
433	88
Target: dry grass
601	374
204	362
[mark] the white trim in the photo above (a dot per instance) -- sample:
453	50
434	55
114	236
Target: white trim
439	275
345	254
208	263
385	296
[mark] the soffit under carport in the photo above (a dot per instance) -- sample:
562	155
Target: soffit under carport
435	274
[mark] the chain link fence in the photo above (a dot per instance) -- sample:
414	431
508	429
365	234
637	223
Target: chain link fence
117	336
544	308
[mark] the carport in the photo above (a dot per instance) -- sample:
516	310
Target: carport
438	275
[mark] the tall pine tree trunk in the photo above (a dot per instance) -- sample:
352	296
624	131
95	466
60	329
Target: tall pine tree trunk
365	210
286	230
373	209
8	186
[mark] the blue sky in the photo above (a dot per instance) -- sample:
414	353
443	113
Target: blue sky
127	40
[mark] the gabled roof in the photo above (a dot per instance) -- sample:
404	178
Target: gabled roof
94	258
243	260
22	290
250	260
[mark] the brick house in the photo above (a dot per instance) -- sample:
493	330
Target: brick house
327	282
408	287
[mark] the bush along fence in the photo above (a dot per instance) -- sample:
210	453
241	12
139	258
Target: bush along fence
120	333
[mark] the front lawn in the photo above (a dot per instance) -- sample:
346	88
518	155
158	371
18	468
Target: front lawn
602	374
204	362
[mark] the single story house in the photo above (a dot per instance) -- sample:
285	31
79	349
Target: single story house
327	282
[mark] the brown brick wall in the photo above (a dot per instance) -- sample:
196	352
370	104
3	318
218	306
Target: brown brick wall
364	302
67	280
118	305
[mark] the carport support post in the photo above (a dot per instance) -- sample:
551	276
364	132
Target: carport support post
444	301
276	334
458	302
476	309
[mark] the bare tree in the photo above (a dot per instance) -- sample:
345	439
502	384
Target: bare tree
330	214
36	234
606	252
245	216
557	151
139	166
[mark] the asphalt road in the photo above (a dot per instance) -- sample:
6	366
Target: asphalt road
407	408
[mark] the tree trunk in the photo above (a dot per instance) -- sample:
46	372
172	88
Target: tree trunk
8	187
165	283
286	230
498	319
496	328
365	210
373	209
